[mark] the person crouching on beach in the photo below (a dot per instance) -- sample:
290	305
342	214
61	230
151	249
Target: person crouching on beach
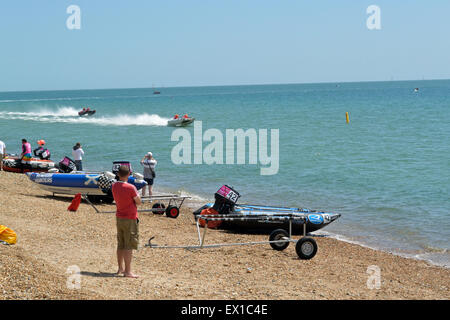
78	154
127	199
149	163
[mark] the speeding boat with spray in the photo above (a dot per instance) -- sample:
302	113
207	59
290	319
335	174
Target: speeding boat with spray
95	185
226	204
178	121
86	112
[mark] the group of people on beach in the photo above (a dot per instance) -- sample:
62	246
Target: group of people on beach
126	197
41	152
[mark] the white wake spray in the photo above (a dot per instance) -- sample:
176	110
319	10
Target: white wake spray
70	115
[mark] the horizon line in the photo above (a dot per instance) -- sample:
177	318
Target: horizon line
226	85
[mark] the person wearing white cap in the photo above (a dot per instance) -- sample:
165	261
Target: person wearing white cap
149	163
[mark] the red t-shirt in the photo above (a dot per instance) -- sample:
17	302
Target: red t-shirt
123	194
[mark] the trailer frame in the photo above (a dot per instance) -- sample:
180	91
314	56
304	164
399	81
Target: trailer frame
282	237
175	203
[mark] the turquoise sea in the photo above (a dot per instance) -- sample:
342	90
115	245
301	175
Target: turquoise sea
387	171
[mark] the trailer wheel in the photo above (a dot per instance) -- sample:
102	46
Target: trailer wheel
172	212
279	234
306	248
158	206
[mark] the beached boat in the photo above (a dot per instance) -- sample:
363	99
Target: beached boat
86	183
180	122
14	163
225	203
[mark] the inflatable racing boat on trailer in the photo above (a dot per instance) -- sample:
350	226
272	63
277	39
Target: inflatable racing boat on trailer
226	204
96	185
14	164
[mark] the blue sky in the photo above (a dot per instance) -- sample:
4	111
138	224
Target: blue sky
125	44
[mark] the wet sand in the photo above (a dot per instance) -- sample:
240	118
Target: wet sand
52	239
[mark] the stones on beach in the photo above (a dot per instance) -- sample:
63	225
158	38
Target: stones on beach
52	240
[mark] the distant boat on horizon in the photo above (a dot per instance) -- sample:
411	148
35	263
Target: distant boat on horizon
155	91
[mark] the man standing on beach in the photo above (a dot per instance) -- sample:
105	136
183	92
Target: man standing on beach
127	199
78	154
149	163
2	153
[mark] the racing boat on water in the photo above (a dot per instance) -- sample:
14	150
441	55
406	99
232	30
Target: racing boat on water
178	121
13	163
86	112
225	203
96	185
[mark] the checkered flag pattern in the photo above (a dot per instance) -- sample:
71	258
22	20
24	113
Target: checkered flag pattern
105	183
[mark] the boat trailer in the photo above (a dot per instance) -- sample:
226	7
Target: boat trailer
279	239
172	210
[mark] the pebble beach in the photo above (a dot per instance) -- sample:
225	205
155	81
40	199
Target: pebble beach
52	241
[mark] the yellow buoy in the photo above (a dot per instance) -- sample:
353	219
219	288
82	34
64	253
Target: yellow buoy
346	117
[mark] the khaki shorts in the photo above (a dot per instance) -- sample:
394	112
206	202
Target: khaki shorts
127	234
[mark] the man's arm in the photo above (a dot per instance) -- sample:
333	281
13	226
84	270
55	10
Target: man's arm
137	200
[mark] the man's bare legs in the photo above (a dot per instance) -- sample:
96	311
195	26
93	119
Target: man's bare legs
120	261
124	256
128	254
150	190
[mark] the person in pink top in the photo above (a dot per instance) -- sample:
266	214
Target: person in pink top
127	199
26	152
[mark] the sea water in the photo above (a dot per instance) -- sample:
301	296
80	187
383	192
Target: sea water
387	171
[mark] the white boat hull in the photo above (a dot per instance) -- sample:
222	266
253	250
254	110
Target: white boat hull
71	190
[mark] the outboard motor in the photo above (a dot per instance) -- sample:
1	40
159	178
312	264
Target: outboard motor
67	165
226	197
117	164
